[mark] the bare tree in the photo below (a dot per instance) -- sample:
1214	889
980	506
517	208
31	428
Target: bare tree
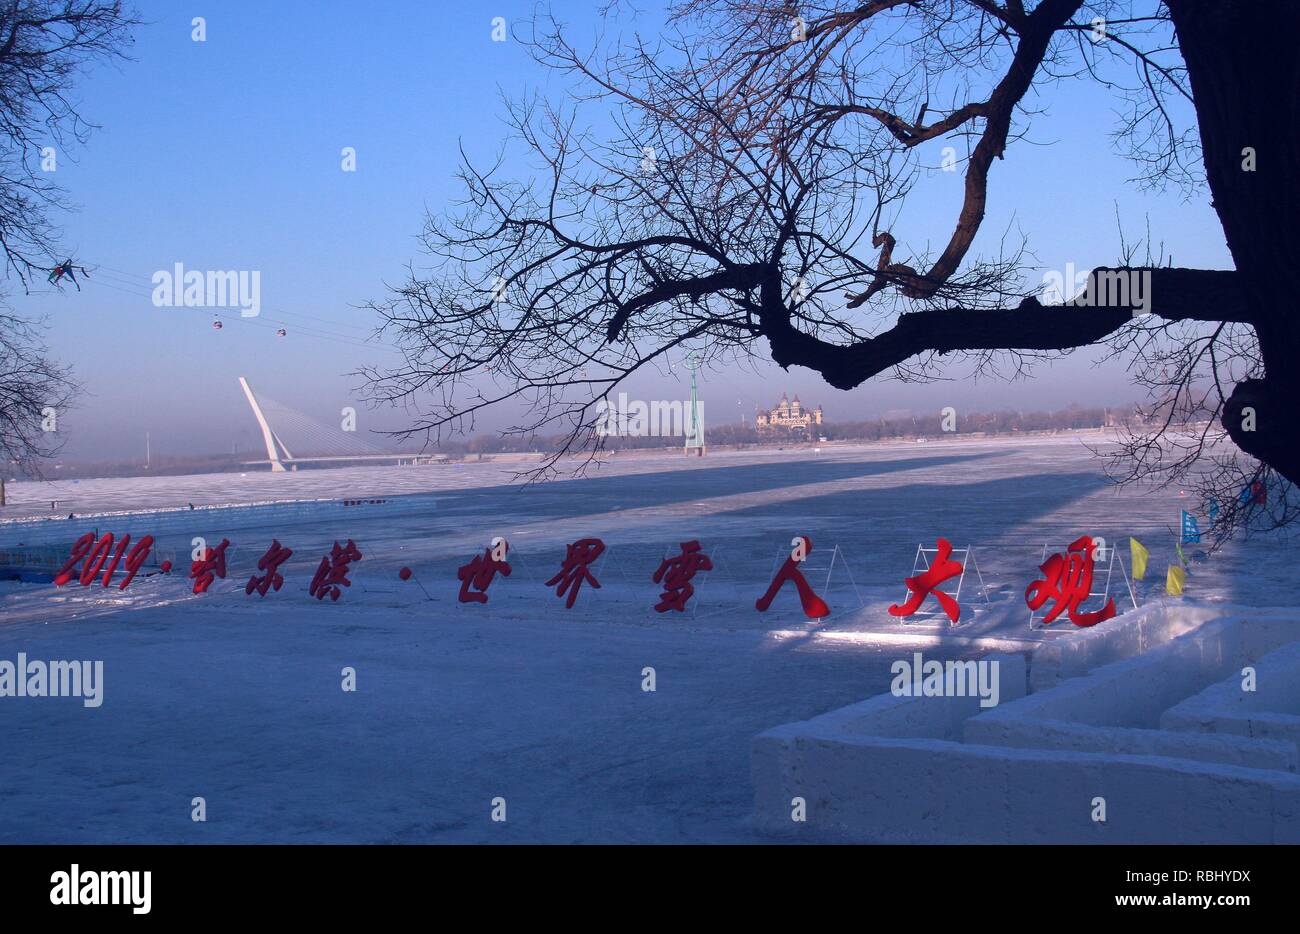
45	45
749	189
33	390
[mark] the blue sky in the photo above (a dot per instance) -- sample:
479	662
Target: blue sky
225	154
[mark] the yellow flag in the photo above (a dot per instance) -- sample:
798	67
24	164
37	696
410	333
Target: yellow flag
1174	582
1139	554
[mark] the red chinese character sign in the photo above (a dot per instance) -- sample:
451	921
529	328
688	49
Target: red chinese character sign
813	606
333	571
269	563
923	585
480	571
212	564
575	570
1067	581
1065	588
675	575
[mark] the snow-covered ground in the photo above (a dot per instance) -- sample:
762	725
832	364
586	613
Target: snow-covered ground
238	699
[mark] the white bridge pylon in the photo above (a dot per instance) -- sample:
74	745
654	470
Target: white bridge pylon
270	438
321	442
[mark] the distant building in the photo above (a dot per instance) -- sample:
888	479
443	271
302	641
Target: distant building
789	414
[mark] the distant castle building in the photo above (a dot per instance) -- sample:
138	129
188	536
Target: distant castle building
789	414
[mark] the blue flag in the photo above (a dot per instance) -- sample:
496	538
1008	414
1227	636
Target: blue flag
1214	509
1191	533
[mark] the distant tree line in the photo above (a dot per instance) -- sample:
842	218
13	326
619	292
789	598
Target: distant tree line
906	427
929	425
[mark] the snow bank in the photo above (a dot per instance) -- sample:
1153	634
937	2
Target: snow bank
1129	634
1037	768
1270	711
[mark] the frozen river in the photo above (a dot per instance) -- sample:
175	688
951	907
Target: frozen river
238	699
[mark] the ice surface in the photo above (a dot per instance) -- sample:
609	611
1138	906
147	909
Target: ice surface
238	698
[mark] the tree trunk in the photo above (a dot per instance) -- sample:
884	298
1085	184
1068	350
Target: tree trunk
1245	77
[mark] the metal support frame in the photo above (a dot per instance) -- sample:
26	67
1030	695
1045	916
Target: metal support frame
921	564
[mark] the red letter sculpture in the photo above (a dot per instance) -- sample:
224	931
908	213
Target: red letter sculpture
212	565
481	569
95	553
924	584
675	574
814	606
1068	581
270	562
333	571
574	570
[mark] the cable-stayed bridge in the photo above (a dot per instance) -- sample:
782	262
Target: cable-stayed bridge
292	437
